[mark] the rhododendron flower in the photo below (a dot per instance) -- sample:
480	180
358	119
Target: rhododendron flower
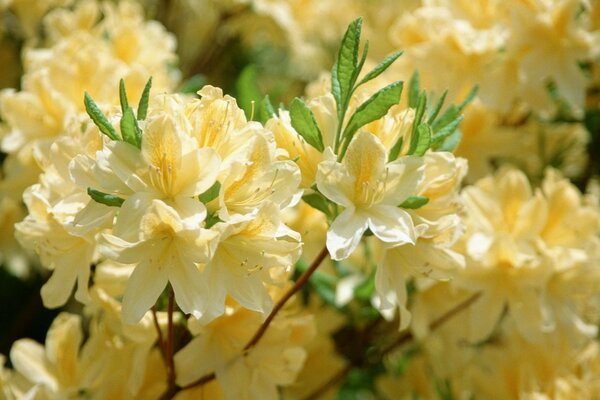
167	250
370	189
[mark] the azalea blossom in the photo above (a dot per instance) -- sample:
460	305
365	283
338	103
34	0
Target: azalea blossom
370	189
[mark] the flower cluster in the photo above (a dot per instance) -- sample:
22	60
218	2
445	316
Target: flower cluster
420	220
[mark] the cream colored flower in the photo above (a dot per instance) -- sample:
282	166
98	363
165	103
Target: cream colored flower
256	179
44	232
249	249
275	360
307	157
548	41
166	247
370	190
505	253
439	224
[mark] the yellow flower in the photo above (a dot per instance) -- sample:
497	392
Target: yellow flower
504	252
275	360
166	247
370	190
249	248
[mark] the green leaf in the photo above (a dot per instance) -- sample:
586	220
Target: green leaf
451	142
374	108
361	64
248	94
364	291
414	90
421	142
336	90
469	98
105	198
347	61
436	110
318	201
395	151
380	68
193	84
266	109
451	113
419	113
211	193
303	121
442	133
99	118
211	220
144	100
123	96
414	202
130	130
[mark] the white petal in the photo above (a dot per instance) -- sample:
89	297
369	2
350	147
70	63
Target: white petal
391	224
29	358
188	285
143	289
345	233
57	290
403	177
334	181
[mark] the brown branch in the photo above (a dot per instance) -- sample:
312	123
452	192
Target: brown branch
171	388
265	325
293	290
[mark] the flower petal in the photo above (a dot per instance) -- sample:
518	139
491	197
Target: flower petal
391	224
345	233
145	285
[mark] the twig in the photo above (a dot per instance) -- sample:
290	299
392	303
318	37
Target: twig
265	325
297	286
171	388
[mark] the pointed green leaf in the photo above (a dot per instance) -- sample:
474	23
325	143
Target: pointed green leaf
414	90
347	61
447	130
99	118
422	142
469	98
414	202
248	94
362	61
318	201
105	198
123	96
436	110
374	108
380	68
419	113
451	113
266	109
130	130
395	150
211	193
192	84
144	100
452	141
336	91
303	121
